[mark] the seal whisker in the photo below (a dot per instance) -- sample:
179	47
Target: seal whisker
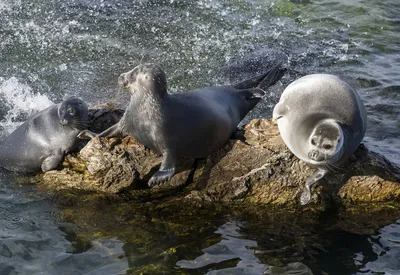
141	59
337	166
79	124
327	167
331	166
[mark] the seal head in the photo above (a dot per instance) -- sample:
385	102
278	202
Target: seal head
73	112
325	142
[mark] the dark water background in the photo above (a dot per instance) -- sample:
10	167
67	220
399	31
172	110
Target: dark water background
51	49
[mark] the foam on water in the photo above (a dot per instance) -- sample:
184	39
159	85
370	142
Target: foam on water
21	102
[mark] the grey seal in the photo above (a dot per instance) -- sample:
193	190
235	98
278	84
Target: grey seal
41	142
322	120
192	124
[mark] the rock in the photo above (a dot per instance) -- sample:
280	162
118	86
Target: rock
258	165
254	166
111	165
103	116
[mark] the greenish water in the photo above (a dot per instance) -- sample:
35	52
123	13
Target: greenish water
79	47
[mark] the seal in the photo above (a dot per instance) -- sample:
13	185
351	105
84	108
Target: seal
192	124
41	142
322	120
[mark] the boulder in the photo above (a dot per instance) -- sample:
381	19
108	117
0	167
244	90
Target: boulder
254	166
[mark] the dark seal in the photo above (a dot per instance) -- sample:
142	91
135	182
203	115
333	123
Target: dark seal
192	124
41	142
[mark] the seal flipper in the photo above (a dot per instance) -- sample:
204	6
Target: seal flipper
263	81
249	94
52	161
352	158
305	197
113	131
166	171
86	134
280	110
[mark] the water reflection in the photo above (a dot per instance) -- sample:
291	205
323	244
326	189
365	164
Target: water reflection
239	256
386	245
231	247
104	258
32	242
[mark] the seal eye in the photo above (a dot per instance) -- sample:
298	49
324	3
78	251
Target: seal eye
327	146
71	111
313	141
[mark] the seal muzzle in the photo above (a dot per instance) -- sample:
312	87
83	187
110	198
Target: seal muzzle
315	155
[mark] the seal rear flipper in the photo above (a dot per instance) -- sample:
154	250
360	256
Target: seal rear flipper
249	94
52	161
263	81
305	197
166	171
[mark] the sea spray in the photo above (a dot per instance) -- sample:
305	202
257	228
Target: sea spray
20	101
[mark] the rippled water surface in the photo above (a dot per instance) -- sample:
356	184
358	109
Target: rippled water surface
52	49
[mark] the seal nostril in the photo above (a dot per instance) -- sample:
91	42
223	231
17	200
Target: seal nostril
63	122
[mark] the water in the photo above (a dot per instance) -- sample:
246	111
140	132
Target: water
53	49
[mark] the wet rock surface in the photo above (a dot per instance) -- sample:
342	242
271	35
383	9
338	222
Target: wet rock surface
254	166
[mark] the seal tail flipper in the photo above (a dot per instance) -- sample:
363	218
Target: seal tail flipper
263	81
273	76
249	94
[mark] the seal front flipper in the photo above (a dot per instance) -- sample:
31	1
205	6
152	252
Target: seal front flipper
305	197
86	134
52	161
280	110
352	158
113	131
166	171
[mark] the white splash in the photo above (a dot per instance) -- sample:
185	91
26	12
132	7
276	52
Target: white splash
21	101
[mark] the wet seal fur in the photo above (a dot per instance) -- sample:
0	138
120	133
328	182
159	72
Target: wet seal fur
42	141
192	124
322	120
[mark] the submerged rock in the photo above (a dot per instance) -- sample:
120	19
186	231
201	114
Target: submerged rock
254	166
